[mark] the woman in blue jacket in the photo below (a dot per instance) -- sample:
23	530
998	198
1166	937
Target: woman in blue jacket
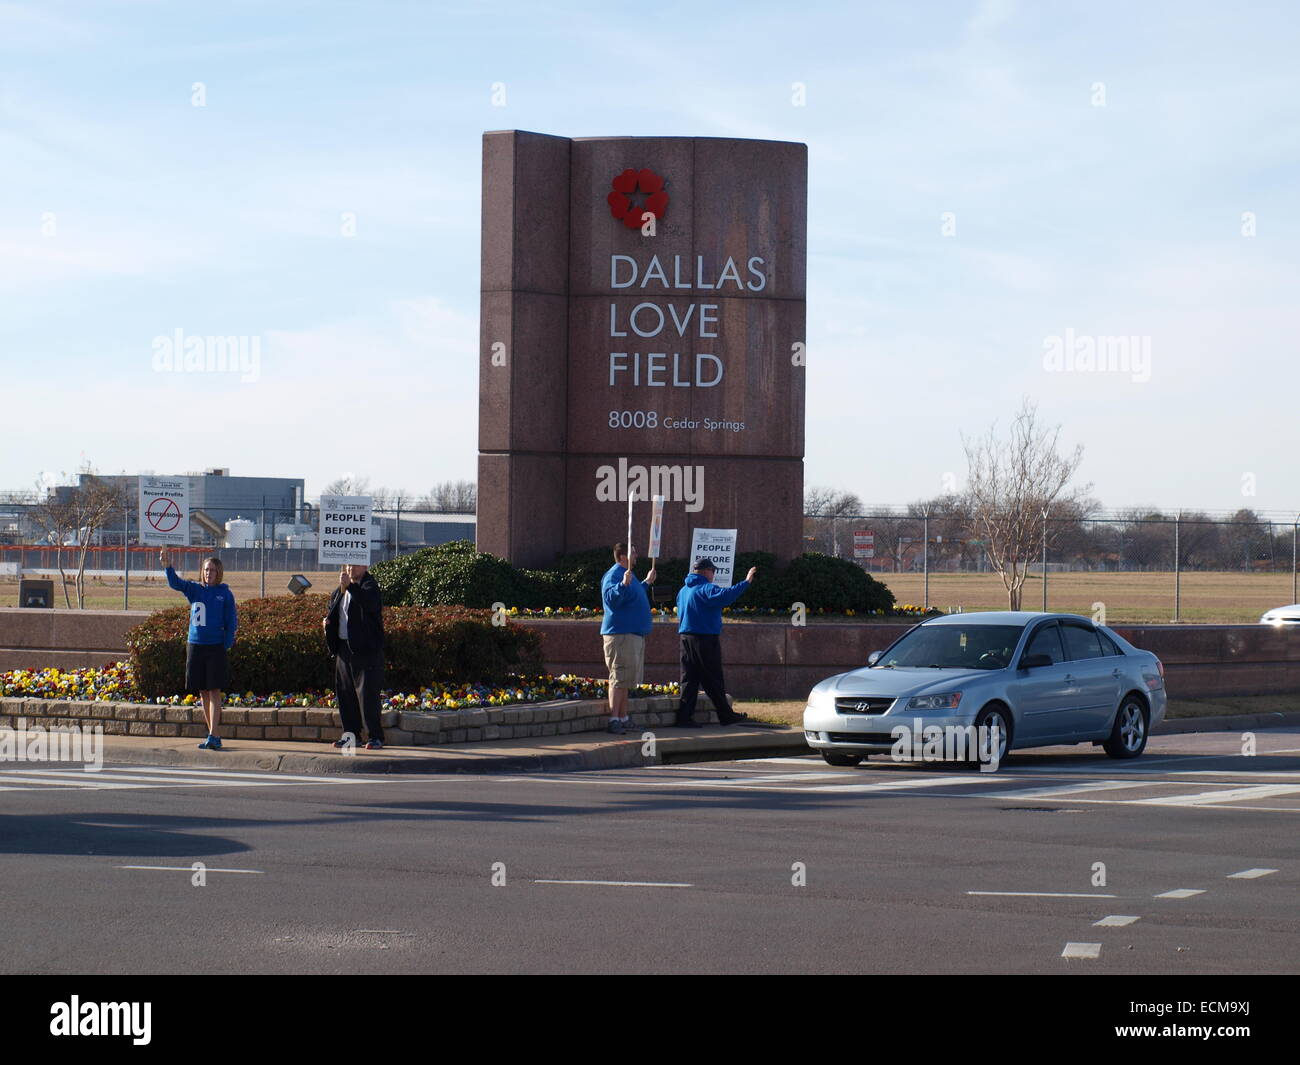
211	635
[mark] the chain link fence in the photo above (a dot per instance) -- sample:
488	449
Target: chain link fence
1123	570
260	547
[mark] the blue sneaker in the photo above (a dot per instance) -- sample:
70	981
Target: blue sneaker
212	743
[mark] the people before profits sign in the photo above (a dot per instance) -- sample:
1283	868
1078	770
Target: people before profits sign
344	530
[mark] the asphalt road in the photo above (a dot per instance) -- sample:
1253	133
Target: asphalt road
905	868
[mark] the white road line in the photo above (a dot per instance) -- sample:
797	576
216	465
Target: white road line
1042	894
1114	921
612	883
1250	874
774	778
34	782
1260	791
264	775
1180	893
782	761
191	869
1081	950
1065	789
1248	774
890	785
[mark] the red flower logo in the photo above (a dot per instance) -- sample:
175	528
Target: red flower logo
628	184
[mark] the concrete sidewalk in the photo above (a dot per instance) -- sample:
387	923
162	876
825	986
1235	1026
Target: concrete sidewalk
551	754
578	751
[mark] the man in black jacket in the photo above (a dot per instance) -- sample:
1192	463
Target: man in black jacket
354	631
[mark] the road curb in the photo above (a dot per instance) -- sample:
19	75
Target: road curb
611	754
1227	722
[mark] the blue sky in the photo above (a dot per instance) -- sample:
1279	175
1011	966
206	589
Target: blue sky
126	212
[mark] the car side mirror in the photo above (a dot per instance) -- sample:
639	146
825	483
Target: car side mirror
1034	661
874	657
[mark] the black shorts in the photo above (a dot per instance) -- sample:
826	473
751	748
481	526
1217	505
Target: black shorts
206	668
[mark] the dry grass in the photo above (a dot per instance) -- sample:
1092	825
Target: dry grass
1128	597
149	589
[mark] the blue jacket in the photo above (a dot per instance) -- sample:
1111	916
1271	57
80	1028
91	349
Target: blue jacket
627	607
212	611
700	603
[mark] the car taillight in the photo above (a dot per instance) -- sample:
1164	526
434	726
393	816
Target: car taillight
1160	666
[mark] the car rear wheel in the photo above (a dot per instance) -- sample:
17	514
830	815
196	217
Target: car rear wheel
1128	738
842	759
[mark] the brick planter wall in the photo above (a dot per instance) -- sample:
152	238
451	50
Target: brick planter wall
402	728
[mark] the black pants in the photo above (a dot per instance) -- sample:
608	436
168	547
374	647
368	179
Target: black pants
702	668
357	680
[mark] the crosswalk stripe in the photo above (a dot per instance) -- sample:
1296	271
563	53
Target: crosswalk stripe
1066	789
1205	798
150	777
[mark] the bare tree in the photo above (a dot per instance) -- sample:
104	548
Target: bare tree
74	518
828	507
452	497
348	485
1014	487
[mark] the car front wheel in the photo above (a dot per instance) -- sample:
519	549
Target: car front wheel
844	761
990	718
1128	738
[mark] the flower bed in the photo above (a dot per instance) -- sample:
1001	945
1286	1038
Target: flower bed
116	683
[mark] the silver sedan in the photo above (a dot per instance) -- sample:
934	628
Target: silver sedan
1002	680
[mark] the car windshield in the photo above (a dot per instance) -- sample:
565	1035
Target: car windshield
955	647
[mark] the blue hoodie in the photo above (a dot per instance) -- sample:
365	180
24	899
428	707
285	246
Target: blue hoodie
700	603
627	607
212	610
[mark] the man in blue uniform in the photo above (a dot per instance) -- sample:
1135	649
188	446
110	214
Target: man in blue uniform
699	613
627	623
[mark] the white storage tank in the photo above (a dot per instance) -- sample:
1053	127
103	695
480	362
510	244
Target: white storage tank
240	532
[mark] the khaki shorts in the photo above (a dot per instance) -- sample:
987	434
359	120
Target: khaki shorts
625	657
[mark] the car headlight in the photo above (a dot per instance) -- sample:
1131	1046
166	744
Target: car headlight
946	701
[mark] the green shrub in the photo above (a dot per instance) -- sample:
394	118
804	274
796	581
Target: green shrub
280	647
455	573
822	582
451	574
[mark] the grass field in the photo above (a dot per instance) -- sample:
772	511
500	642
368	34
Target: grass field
149	589
1128	597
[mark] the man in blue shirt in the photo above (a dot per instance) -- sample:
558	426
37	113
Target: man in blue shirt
626	625
699	614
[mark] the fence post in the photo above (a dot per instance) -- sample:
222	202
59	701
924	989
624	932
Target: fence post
1295	532
126	557
262	552
397	530
1178	571
925	560
1044	562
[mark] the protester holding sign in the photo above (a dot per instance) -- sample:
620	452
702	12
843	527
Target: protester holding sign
211	635
627	623
699	612
354	633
